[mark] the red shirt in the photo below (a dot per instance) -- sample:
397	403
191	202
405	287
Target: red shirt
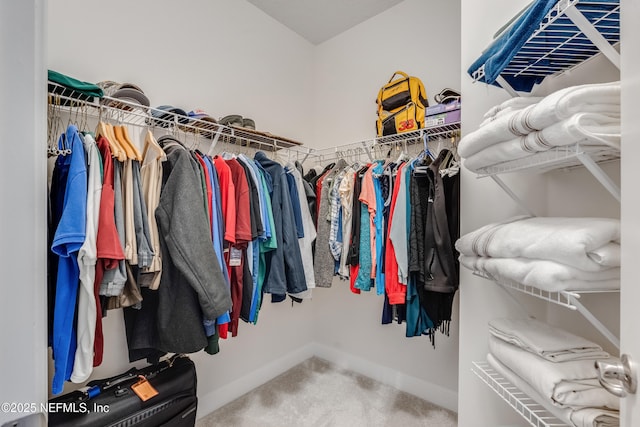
109	249
228	198
396	291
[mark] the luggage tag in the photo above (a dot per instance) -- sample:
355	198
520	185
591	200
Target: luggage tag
235	257
144	389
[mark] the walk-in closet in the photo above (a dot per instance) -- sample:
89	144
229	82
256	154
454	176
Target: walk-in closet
242	145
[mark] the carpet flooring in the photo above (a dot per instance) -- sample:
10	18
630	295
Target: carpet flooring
317	393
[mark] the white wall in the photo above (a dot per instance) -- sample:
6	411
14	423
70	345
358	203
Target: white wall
23	307
226	57
421	38
560	193
630	71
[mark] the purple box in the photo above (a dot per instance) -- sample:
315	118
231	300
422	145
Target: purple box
442	118
442	108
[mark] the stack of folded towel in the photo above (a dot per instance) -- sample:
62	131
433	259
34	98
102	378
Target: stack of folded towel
552	254
555	368
520	127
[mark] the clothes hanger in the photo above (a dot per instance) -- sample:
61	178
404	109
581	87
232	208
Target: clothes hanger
121	135
150	143
134	147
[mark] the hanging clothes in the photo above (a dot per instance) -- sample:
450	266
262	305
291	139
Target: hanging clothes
432	256
192	285
309	229
345	191
87	259
285	273
366	272
108	245
68	239
324	261
151	176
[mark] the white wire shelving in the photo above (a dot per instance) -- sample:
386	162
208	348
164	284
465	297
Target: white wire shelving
116	110
404	141
566	157
78	105
572	32
569	299
533	412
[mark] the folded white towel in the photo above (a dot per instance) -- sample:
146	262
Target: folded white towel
571	384
543	274
588	129
552	344
584	417
600	98
512	104
590	244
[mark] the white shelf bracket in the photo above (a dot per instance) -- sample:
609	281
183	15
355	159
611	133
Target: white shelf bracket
214	142
511	294
600	175
593	34
368	151
595	322
506	86
513	195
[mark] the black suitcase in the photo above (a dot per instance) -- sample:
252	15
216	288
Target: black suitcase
112	402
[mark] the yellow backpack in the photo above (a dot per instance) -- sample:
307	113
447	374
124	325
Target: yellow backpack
398	93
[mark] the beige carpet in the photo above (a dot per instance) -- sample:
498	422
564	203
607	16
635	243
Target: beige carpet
317	393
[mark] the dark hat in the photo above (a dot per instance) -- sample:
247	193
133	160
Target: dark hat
164	115
124	91
203	122
231	120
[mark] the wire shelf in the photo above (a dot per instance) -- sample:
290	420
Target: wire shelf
567	298
533	412
75	103
556	158
564	298
566	38
134	114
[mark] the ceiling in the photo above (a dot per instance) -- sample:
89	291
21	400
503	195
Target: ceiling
320	20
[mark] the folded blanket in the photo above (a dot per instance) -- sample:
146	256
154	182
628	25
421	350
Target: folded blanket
590	244
497	56
511	104
571	384
584	417
552	344
588	129
601	98
543	274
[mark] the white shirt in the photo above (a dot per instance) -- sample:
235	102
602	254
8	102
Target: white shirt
87	258
305	242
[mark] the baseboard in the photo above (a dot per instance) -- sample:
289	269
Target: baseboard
227	393
430	392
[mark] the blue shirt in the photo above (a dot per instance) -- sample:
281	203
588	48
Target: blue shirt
217	234
295	204
68	238
257	178
378	171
